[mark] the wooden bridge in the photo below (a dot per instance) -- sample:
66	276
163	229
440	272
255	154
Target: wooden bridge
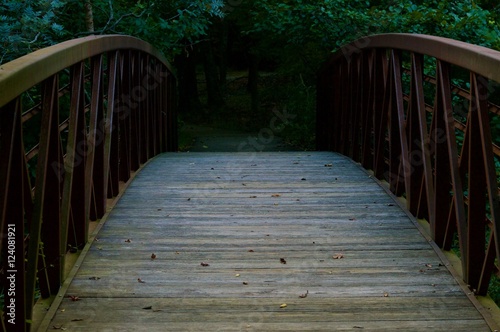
250	241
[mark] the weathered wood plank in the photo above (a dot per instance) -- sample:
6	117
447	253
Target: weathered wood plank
245	215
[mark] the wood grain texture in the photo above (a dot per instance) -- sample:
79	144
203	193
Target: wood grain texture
245	215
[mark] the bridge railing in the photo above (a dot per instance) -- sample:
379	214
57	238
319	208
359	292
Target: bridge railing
75	120
420	112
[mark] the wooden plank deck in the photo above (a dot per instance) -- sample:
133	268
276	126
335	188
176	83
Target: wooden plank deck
244	215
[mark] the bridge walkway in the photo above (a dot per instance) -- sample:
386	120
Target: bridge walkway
270	241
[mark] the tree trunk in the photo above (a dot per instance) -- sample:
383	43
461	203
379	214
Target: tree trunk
89	16
224	36
214	94
188	101
253	81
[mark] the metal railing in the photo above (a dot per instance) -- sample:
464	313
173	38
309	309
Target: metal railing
420	112
75	120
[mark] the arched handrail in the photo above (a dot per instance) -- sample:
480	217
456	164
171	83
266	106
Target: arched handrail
418	111
76	119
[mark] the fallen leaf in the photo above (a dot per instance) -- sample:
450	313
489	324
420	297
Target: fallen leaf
63	310
245	283
386	294
283	305
304	295
253	196
77	320
148	308
390	204
282	261
189	199
428	265
303	179
94	278
204	264
250	250
141	281
237	275
338	256
74	298
159	210
205	147
177	253
58	327
328	165
352	219
128	240
153	256
275	195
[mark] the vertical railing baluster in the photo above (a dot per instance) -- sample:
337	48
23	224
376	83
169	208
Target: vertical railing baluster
447	175
95	203
476	211
53	269
398	160
367	105
480	85
124	118
111	158
380	114
74	186
12	220
134	109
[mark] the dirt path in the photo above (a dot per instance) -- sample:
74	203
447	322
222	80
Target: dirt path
211	139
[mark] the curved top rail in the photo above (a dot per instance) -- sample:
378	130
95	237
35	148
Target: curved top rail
478	59
21	74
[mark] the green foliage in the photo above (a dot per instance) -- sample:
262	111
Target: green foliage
461	20
28	25
169	25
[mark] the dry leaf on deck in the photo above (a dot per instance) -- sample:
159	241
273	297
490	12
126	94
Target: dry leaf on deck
283	305
303	296
338	256
204	264
141	281
282	261
153	256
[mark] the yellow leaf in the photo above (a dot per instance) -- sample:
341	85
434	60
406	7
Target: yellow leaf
283	305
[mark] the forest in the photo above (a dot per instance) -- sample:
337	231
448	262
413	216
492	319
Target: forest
237	62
